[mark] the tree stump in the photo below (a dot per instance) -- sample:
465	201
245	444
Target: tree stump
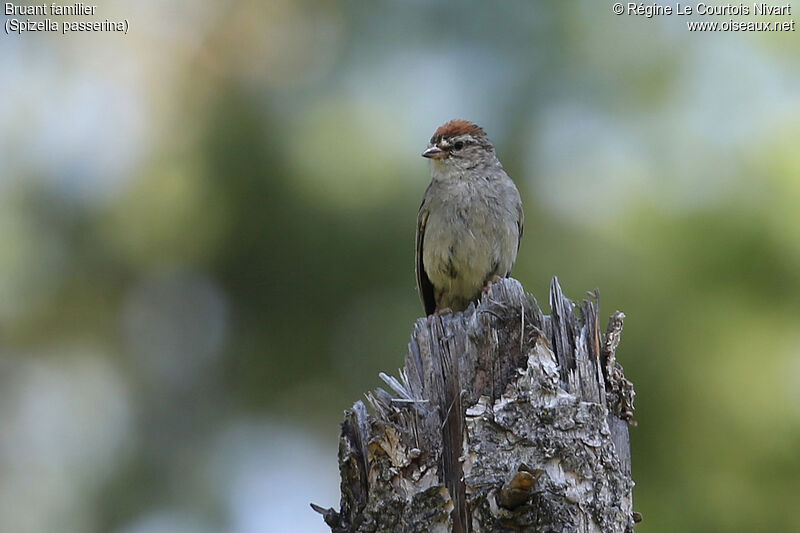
503	419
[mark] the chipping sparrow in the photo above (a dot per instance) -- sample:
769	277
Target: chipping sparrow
470	222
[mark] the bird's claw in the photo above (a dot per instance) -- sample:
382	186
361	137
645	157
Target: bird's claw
490	281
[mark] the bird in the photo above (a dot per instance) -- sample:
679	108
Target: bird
470	222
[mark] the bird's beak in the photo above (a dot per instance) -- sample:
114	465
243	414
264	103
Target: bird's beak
434	152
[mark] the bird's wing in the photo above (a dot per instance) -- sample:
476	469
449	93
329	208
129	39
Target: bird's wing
424	285
520	228
520	223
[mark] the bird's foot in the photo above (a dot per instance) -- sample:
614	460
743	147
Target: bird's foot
443	311
490	281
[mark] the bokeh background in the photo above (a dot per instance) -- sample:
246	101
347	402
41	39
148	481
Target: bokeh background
207	233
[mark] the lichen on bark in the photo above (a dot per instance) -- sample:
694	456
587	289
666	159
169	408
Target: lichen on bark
503	419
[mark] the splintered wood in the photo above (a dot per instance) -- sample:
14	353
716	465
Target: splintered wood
503	419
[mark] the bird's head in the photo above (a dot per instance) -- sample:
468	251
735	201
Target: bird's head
459	144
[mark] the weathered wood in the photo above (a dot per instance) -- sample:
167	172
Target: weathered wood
503	419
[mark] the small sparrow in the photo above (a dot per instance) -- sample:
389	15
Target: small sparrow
470	222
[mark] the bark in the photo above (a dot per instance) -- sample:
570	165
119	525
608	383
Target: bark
503	419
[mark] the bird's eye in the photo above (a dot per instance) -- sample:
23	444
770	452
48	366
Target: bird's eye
458	145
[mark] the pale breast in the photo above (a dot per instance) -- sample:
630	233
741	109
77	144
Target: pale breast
469	238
